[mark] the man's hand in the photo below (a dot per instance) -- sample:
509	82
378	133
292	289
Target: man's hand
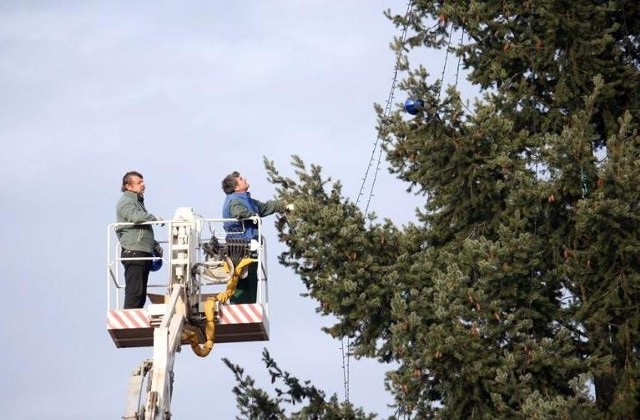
158	251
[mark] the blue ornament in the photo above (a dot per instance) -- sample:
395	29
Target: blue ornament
156	262
414	106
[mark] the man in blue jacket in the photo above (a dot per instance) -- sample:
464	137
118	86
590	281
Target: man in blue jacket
239	204
137	241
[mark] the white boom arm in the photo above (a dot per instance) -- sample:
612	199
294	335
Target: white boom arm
168	320
184	313
166	341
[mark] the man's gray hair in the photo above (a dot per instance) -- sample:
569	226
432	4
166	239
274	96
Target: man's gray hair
229	182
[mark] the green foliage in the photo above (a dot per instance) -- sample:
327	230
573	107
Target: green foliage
516	291
254	403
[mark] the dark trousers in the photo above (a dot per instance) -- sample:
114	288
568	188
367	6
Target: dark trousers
247	288
136	277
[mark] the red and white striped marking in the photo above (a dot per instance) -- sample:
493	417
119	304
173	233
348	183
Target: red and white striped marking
229	315
240	314
127	318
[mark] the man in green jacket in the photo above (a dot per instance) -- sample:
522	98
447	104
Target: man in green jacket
137	241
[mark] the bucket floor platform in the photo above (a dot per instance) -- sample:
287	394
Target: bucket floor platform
235	323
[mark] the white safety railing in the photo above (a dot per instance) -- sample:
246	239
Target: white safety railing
115	269
183	243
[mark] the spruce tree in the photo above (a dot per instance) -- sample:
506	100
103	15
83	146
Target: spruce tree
516	290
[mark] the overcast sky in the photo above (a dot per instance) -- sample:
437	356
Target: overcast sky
184	92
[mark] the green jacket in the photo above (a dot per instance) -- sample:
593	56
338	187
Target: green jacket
130	208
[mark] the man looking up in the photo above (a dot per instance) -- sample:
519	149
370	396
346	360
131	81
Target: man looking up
239	204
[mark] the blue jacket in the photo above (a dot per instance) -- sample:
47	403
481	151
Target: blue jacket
242	206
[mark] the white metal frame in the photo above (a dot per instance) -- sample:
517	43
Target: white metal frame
184	250
115	272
